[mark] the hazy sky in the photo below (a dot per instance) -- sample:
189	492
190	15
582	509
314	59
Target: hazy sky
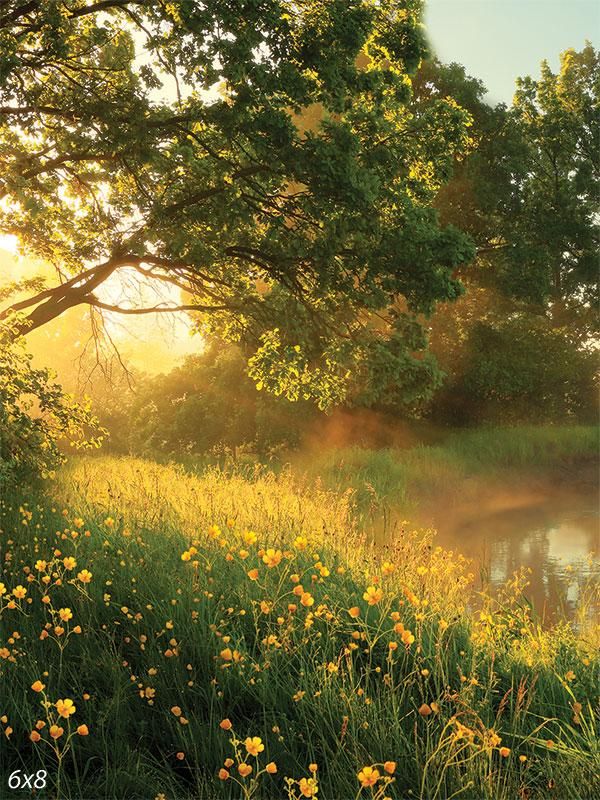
500	40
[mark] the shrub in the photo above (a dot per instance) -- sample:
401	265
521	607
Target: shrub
36	416
521	369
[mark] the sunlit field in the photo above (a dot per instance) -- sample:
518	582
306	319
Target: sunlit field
226	636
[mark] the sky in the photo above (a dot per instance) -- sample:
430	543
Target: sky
500	40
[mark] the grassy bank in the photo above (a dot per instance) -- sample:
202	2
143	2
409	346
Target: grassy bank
411	477
215	601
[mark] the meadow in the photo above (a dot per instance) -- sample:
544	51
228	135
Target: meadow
428	465
324	289
232	635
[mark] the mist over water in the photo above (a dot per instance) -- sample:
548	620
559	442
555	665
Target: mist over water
557	537
535	518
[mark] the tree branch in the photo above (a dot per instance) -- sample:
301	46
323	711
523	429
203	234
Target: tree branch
160	309
105	5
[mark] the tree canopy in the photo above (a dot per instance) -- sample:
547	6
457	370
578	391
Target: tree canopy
529	195
521	340
169	139
549	215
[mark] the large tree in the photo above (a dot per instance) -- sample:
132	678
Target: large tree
549	215
170	139
528	196
529	193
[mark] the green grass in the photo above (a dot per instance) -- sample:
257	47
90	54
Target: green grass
407	478
316	684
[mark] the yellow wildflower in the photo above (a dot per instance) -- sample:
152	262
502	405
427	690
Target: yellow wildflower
368	776
65	708
254	745
372	595
272	557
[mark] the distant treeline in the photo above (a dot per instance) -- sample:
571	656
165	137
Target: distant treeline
511	374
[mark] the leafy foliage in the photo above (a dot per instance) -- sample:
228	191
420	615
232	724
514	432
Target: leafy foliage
520	343
262	157
520	369
36	416
551	218
206	406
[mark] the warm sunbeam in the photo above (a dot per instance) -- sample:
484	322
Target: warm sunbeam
150	343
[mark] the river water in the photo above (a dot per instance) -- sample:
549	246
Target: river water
554	533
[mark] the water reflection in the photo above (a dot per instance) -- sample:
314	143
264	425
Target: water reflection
554	538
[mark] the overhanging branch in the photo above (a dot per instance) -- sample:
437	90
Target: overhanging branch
93	301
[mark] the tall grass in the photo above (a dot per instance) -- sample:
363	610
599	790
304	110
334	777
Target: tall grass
194	617
407	478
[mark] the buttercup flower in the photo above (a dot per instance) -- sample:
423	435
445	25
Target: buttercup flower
254	745
368	776
407	638
249	537
300	543
272	557
308	787
65	708
372	595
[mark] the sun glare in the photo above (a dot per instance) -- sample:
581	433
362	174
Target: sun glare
9	243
